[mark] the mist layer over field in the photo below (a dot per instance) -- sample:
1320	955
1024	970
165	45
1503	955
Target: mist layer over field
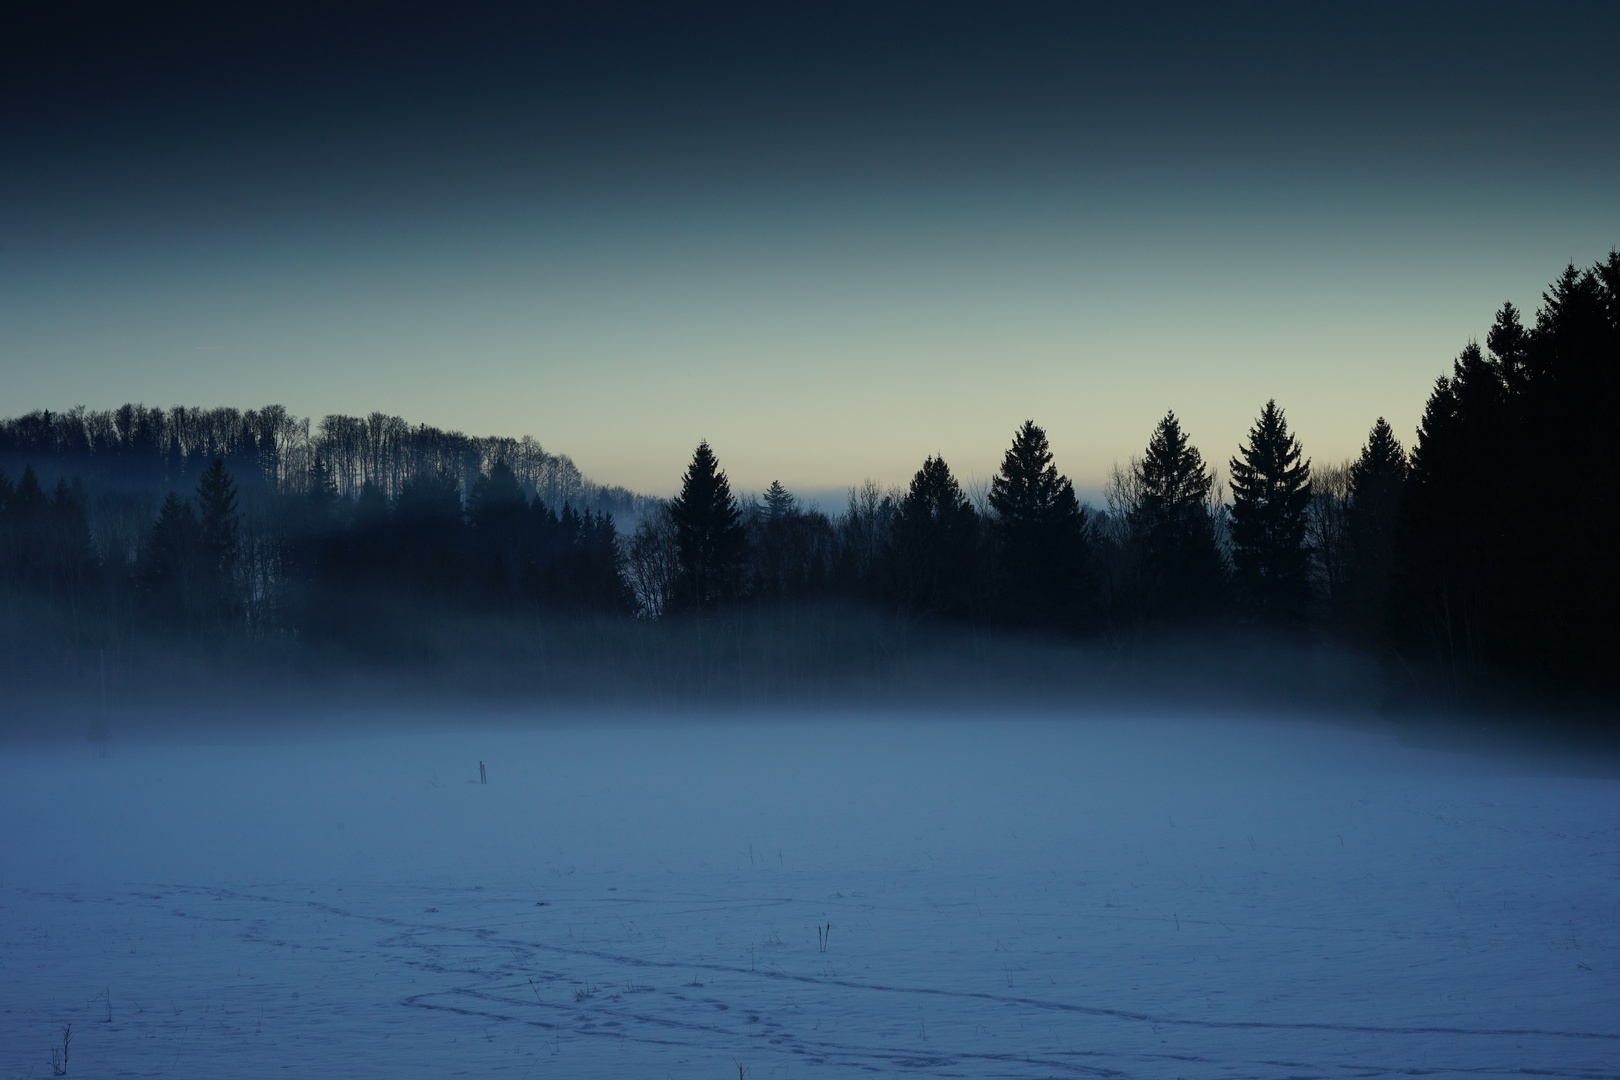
649	894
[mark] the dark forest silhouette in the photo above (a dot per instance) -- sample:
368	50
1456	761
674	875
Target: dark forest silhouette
1486	553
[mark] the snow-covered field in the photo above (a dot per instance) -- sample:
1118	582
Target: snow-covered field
803	897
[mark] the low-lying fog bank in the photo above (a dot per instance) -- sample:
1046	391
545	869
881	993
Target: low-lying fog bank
822	658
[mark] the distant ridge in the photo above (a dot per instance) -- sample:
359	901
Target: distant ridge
137	447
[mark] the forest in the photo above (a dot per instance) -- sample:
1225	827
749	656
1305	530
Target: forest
1480	557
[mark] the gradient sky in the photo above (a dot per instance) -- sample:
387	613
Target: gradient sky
831	239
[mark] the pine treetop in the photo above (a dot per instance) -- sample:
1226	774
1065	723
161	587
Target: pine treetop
705	501
1268	474
216	510
497	498
29	496
1271	493
1382	461
176	527
779	502
1172	471
934	494
708	531
1029	490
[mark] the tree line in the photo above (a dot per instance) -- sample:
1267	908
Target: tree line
269	451
1485	550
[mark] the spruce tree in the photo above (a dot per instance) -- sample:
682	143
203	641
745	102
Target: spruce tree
1376	479
219	524
1478	587
779	502
1181	566
218	519
171	562
708	534
497	511
497	505
1271	492
1446	586
72	555
933	544
29	513
1042	539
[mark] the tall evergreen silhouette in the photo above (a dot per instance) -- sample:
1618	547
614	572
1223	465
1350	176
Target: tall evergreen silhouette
708	534
1377	477
29	512
1182	571
933	545
218	527
217	514
779	502
1475	586
1447	599
173	565
1271	492
497	513
1043	544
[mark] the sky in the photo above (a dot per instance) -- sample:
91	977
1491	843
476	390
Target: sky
831	239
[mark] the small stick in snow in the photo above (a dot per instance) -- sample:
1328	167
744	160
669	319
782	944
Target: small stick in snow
483	778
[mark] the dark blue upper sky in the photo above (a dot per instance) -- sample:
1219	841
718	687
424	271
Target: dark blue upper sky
830	238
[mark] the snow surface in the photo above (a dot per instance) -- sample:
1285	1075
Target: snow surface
1006	898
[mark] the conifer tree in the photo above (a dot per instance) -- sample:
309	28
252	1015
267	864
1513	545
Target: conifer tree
30	528
1182	569
1043	548
1271	492
497	504
218	518
1509	346
1475	586
933	543
1445	590
29	497
708	534
72	556
218	525
779	502
497	511
172	560
1376	479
